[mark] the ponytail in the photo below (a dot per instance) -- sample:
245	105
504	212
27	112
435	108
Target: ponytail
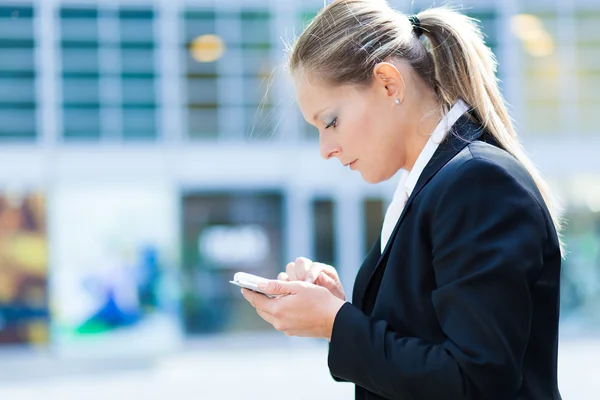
465	68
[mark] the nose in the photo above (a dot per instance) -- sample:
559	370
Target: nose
328	147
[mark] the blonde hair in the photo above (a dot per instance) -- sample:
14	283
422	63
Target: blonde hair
345	41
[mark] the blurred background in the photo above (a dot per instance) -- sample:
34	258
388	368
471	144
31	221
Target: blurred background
149	149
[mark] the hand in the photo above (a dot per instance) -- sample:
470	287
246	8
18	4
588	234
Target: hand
304	309
320	274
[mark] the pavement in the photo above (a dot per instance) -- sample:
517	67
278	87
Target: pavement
262	367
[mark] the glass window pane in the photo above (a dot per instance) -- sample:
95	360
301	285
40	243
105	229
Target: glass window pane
542	114
324	231
588	117
200	69
78	13
201	78
488	22
80	60
136	25
138	83
203	123
16	59
137	14
198	23
589	88
81	91
261	121
309	131
15	90
373	211
202	91
257	91
15	11
255	29
79	29
257	63
80	123
305	17
17	73
139	123
16	28
587	48
138	91
137	60
588	60
17	123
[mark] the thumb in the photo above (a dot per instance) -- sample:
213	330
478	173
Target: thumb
278	287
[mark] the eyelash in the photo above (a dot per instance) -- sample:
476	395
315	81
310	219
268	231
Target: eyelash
332	123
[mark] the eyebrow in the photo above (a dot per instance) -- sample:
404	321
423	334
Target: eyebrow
319	112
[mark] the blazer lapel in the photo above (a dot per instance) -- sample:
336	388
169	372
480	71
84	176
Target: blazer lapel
463	132
364	273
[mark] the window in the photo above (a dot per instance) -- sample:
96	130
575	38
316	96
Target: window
305	16
488	23
201	75
255	47
17	74
138	90
324	231
588	69
224	233
108	86
229	74
81	73
537	33
373	212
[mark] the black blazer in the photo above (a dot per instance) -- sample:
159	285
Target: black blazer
464	301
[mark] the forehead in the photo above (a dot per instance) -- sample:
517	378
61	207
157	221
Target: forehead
314	94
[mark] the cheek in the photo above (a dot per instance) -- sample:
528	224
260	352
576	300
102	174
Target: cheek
361	133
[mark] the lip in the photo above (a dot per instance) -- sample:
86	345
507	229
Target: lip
351	165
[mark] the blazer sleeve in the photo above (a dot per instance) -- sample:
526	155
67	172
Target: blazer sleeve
488	234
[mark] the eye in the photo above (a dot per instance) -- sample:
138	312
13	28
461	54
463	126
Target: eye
332	123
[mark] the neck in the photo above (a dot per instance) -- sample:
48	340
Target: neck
430	115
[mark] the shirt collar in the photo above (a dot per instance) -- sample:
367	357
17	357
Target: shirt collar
409	179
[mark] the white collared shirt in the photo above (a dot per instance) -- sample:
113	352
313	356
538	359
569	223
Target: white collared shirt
408	179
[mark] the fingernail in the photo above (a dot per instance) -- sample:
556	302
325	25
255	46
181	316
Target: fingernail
263	286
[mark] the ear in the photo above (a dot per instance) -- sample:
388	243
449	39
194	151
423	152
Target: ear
390	80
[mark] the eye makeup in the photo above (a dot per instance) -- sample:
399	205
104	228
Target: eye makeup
331	123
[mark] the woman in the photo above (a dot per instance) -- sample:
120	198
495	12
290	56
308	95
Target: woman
459	297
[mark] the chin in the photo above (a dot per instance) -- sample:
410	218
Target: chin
372	178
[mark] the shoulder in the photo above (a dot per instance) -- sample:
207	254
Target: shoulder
485	181
482	167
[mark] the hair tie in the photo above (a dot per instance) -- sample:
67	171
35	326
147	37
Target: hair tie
416	24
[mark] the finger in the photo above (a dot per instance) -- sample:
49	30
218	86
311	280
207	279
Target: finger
250	296
290	270
259	301
331	272
280	287
302	265
268	317
315	270
282	276
326	281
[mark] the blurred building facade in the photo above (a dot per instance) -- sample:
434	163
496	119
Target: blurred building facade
159	148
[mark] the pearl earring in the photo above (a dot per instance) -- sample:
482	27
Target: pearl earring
397	101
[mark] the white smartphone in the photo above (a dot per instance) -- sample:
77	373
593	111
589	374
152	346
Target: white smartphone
250	282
